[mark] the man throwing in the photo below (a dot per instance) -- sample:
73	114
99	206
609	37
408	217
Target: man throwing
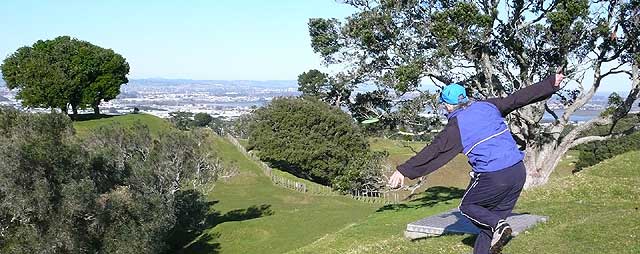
478	130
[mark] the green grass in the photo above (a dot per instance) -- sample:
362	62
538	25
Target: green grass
595	211
292	219
156	125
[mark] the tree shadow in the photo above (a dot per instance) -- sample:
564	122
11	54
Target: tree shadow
206	243
429	198
87	117
193	239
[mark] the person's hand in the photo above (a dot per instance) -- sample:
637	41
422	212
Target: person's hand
396	180
558	78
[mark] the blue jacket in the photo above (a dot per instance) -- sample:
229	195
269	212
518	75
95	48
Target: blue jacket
478	131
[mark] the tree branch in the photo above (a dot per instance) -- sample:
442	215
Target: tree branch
605	137
551	112
540	17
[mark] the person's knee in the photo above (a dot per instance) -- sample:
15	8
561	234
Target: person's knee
464	208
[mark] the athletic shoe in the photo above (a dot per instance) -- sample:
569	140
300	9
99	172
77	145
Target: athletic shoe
501	236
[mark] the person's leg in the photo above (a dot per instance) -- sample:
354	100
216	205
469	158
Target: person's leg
514	176
483	241
489	198
481	196
476	204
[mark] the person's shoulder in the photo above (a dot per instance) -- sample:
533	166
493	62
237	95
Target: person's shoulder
482	105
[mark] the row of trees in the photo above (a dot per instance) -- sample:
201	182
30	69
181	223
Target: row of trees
65	72
119	190
494	48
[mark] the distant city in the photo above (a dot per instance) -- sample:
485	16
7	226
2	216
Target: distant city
159	97
229	98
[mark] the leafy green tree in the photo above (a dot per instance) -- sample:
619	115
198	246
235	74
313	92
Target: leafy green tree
219	125
106	72
182	120
313	140
202	119
313	83
494	48
626	137
65	72
319	85
240	127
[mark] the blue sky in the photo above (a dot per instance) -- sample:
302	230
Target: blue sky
215	39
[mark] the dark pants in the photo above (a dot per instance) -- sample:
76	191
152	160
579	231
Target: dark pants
489	198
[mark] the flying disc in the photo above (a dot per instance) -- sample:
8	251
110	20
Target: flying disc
370	120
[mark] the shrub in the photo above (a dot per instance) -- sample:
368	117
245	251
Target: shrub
594	152
117	191
202	119
313	140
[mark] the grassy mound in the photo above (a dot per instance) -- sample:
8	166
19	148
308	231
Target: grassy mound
156	125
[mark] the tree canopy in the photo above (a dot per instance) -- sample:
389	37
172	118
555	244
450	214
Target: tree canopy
492	47
202	119
65	72
313	140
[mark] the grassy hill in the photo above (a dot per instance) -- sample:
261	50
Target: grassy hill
251	215
595	211
285	219
156	125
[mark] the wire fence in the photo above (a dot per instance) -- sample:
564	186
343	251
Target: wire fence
369	196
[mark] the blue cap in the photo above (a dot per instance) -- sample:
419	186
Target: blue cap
453	94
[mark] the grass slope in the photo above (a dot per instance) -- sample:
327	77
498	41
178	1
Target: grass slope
249	214
285	219
595	211
156	125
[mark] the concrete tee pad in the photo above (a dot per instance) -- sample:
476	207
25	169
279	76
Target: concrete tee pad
453	222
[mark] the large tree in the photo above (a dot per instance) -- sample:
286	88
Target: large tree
494	48
65	72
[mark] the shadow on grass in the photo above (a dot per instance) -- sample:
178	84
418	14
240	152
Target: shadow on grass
430	197
87	117
195	240
469	240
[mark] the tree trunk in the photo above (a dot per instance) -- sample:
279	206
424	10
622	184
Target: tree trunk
96	108
74	108
541	162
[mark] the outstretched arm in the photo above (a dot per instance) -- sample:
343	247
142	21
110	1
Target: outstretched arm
531	94
445	146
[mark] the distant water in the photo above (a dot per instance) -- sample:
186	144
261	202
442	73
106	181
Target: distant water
578	116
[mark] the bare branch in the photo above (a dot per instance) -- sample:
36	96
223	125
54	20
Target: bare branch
540	17
588	139
551	112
